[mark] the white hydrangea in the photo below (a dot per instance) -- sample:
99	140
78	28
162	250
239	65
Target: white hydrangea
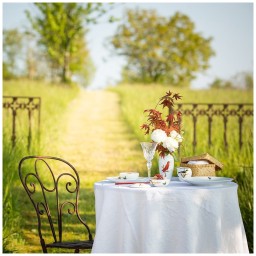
176	136
173	134
158	135
171	144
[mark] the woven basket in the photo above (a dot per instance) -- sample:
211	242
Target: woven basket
201	169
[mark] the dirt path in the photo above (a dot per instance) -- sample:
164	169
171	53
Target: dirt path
97	138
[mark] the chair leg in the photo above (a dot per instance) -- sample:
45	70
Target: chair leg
43	246
76	250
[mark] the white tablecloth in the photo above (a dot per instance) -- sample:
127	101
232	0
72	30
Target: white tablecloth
179	218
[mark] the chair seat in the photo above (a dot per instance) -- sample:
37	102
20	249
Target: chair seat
72	245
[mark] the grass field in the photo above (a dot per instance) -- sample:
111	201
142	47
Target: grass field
53	108
20	235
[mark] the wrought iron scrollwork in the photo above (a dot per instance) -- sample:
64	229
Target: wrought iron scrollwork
42	207
41	212
224	110
71	212
69	184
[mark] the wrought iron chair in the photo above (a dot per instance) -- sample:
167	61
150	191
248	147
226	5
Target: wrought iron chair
45	181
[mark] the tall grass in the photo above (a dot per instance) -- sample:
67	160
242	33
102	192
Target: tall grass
135	99
54	102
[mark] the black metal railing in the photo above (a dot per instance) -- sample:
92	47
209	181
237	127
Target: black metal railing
223	110
16	104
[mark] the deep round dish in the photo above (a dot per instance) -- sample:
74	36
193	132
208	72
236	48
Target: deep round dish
129	175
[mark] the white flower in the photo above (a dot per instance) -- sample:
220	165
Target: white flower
171	144
176	136
173	134
179	138
158	135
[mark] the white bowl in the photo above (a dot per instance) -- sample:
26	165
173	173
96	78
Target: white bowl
129	175
159	183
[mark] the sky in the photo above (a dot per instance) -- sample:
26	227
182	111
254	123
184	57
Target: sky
230	25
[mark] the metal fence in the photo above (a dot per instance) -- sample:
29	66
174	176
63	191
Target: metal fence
15	105
223	110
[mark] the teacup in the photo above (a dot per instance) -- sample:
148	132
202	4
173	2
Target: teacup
129	175
183	173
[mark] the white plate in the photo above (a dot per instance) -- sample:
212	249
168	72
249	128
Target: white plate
140	185
120	180
207	181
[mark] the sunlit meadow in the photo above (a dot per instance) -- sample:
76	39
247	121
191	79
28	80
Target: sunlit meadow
20	233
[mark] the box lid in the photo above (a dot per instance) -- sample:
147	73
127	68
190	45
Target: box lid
204	156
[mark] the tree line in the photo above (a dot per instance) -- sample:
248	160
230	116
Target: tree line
157	49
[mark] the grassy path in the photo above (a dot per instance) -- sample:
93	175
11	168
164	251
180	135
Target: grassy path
96	139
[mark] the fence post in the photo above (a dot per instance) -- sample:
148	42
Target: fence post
30	105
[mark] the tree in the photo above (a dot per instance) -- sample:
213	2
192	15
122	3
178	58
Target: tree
249	81
12	45
61	32
161	50
221	84
241	81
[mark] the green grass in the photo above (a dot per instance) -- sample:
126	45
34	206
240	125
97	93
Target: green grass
54	102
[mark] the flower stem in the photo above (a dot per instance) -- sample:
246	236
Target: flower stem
157	103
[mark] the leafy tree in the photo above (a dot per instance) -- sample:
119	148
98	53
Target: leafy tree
221	84
249	81
32	56
61	32
242	80
12	45
161	50
6	74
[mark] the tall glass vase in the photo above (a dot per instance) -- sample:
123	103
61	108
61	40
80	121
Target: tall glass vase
166	166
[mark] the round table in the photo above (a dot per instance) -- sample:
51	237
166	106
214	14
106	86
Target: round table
178	218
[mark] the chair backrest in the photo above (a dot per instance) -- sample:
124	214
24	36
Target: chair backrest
50	176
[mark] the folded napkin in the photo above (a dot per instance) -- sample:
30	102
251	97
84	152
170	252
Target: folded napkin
198	162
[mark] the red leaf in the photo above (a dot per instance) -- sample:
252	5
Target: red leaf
146	128
168	93
176	96
166	103
170	118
